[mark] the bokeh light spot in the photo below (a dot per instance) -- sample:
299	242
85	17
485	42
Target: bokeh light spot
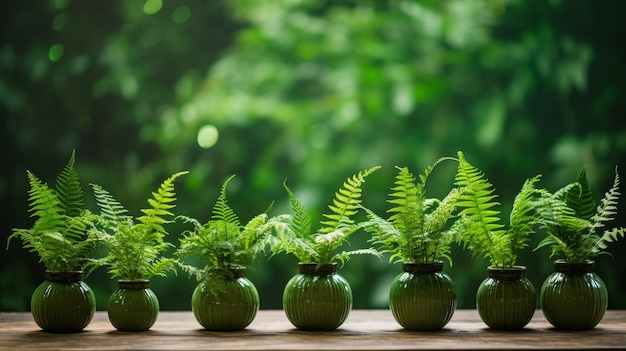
56	52
207	136
59	22
181	14
152	6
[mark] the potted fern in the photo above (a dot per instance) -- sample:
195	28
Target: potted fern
574	296
506	299
317	298
224	299
423	297
63	303
135	254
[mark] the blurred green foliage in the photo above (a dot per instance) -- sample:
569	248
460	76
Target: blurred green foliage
312	91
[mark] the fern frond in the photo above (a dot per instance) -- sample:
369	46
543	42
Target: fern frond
581	199
524	215
301	221
346	202
160	204
605	213
69	191
222	213
44	205
346	255
408	198
384	235
482	227
111	210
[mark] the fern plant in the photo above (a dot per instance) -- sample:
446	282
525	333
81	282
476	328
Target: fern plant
223	243
480	228
417	230
135	245
572	222
61	233
295	236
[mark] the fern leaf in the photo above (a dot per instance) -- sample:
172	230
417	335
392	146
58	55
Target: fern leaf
581	199
224	217
346	202
301	222
69	191
44	204
159	205
476	199
110	209
605	213
523	215
408	214
482	232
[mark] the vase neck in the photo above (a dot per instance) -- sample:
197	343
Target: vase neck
133	284
508	273
238	272
313	268
563	266
65	277
425	267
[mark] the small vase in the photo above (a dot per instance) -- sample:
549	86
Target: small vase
506	300
423	297
317	298
230	309
574	297
133	307
63	303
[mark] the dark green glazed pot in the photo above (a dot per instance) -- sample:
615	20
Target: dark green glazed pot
133	307
63	303
574	297
228	310
317	298
423	297
506	300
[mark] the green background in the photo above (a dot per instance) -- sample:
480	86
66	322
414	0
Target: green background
311	91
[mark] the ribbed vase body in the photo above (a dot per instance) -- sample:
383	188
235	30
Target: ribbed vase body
317	298
506	299
234	308
133	306
574	297
422	297
63	303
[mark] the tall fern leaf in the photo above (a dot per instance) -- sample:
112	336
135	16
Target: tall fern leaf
346	202
301	222
482	227
69	190
110	209
581	199
160	205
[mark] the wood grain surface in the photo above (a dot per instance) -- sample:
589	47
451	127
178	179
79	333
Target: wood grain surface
364	330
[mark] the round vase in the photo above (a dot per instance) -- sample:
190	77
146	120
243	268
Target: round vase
422	297
317	298
506	299
230	309
574	297
63	303
133	307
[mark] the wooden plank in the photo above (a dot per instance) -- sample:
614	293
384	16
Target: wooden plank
364	330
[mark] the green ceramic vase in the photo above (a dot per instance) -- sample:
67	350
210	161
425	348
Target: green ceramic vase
317	298
574	297
133	307
232	309
422	297
63	303
506	299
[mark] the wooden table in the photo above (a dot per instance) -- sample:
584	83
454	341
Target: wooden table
364	330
